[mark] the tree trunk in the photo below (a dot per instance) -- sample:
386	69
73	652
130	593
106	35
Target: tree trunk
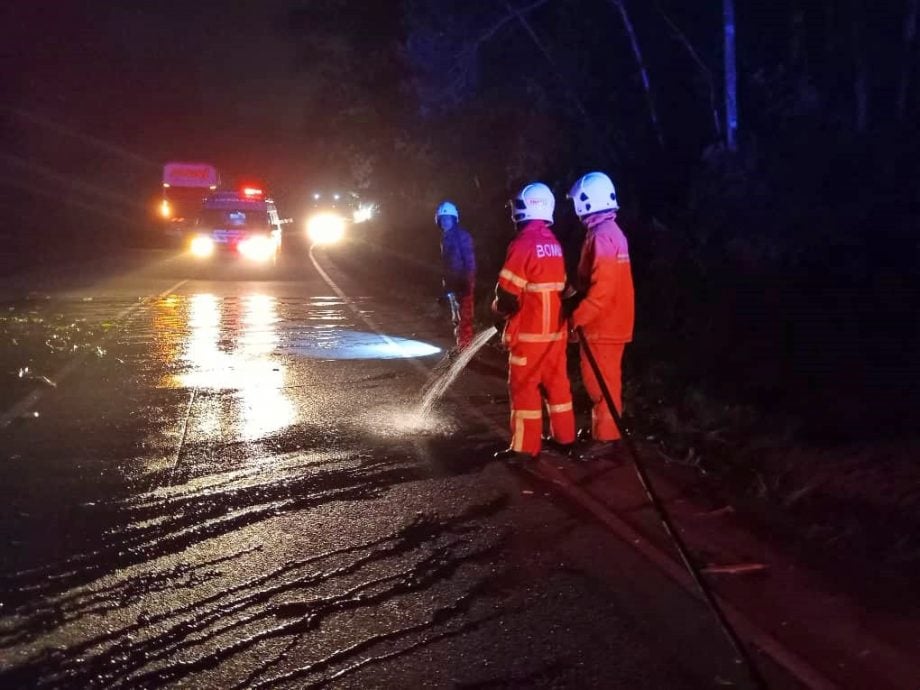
860	69
707	73
643	70
830	29
731	76
910	32
797	52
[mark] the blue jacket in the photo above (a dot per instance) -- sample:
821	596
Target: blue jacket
458	261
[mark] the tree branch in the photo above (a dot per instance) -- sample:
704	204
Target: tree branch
910	32
620	5
467	55
707	73
513	13
583	111
731	75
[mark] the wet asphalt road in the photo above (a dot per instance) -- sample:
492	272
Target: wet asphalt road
215	481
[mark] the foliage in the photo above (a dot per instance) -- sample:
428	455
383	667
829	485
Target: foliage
781	277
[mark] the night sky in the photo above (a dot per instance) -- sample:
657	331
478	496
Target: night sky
97	95
169	79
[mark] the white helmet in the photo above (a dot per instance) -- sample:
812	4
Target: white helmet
446	208
592	193
534	202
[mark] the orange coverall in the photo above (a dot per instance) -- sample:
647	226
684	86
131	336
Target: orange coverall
605	314
533	278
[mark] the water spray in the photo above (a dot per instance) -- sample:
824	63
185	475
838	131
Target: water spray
436	389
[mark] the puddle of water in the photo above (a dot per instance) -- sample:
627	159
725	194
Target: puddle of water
347	344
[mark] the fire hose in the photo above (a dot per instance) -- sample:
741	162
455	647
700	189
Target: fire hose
743	656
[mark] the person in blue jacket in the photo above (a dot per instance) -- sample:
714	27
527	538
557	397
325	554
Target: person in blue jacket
458	262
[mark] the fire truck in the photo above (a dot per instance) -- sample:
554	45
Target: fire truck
241	224
185	186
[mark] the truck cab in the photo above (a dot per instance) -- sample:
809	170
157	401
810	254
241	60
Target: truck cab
242	224
184	188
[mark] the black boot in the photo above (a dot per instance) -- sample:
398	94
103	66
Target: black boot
513	456
597	450
566	449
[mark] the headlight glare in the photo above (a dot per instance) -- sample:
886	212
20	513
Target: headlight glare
257	248
202	246
326	228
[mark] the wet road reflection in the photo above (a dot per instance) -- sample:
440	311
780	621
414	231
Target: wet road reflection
335	344
232	345
242	492
238	353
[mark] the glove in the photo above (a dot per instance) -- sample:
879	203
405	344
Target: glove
505	304
570	300
454	307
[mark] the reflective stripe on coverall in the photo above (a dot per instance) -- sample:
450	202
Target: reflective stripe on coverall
606	314
534	274
458	260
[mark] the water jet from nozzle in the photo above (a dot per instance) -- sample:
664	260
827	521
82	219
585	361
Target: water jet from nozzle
436	389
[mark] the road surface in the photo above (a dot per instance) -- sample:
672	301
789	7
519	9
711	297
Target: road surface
217	480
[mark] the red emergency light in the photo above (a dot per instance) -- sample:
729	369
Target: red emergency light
252	192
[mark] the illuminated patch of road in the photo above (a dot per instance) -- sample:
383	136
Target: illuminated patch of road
338	344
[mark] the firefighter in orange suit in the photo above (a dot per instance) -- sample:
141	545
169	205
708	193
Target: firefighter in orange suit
528	299
606	309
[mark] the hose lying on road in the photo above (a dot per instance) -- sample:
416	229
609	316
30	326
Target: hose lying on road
744	657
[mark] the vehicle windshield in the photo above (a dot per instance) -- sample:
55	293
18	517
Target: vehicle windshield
234	218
